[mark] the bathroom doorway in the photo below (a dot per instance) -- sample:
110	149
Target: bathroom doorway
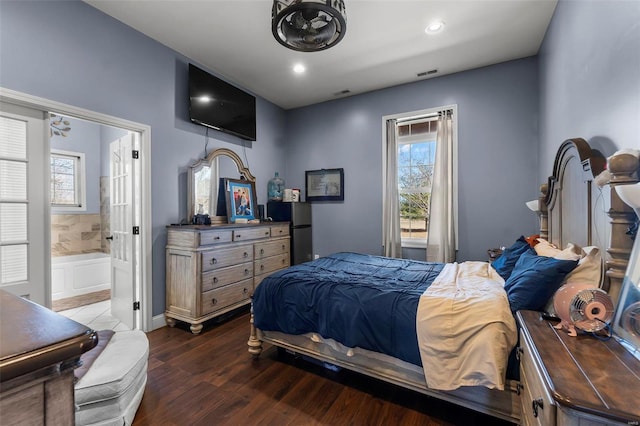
138	252
94	179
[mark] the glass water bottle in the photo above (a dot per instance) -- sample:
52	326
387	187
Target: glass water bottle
275	188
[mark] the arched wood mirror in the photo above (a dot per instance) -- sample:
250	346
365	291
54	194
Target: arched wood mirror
204	182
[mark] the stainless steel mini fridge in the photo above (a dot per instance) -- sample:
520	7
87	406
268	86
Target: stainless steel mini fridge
299	216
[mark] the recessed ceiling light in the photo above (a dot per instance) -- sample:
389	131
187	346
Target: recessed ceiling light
434	27
299	68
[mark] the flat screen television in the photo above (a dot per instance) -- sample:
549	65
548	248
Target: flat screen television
217	104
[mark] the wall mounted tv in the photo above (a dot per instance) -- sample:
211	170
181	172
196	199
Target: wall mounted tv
217	104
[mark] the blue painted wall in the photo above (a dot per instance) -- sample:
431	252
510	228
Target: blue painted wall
69	52
512	117
497	156
590	78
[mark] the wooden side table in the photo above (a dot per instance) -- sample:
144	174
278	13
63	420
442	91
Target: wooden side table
38	351
579	380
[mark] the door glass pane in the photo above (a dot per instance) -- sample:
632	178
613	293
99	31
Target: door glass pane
13	264
13	137
13	223
13	180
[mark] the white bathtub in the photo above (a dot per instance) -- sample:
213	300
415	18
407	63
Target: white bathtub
80	274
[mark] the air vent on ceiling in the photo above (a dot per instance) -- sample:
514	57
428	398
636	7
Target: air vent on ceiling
342	92
422	74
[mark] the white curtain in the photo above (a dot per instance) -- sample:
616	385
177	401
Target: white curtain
391	238
441	239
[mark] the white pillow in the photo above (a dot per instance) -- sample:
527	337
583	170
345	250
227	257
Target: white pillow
545	248
589	269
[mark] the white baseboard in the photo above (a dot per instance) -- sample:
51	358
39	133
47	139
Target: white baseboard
157	322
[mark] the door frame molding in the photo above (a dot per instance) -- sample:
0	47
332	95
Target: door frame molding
144	276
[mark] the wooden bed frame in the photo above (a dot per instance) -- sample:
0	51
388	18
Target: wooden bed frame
571	209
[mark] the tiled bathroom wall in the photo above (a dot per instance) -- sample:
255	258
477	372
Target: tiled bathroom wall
75	234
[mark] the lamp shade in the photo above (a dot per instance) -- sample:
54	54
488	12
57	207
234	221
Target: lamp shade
630	194
308	25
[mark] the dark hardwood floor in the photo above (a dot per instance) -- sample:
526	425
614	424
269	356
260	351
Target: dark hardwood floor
211	379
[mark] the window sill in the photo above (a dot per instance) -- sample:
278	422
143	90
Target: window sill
414	244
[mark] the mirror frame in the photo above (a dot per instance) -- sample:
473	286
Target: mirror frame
208	161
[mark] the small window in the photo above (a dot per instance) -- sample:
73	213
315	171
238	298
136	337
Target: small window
67	181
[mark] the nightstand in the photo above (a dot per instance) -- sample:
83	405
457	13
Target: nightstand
574	380
493	254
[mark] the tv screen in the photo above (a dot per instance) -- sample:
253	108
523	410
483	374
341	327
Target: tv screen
217	104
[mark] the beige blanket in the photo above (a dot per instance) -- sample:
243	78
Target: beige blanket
465	328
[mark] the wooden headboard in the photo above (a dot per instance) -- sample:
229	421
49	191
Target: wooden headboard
574	209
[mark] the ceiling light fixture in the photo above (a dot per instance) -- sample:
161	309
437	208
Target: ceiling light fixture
299	68
308	25
434	27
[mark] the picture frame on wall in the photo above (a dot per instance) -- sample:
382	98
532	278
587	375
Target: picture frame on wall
324	185
241	199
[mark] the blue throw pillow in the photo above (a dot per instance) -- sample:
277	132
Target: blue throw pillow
534	279
507	260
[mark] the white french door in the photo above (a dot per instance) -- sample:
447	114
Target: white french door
24	255
122	216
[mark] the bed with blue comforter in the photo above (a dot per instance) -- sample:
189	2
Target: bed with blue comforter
442	329
359	300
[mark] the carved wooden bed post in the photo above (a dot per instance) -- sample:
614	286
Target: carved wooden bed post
255	344
624	170
543	213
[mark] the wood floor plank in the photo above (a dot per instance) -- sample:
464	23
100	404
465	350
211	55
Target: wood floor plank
210	379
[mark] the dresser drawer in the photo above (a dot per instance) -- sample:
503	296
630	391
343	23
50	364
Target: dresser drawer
250	234
537	406
270	248
271	264
215	237
224	276
280	231
223	297
214	259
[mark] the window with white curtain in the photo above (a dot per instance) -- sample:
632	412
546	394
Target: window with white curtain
67	180
420	183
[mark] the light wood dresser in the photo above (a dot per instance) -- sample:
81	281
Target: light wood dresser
577	381
212	270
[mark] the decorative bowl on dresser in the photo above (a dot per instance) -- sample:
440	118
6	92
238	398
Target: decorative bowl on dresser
212	270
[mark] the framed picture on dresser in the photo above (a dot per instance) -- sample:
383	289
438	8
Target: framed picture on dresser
241	199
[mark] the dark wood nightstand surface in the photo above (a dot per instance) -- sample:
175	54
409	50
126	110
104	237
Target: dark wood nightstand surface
584	373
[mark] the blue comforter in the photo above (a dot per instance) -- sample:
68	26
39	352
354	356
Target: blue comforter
356	299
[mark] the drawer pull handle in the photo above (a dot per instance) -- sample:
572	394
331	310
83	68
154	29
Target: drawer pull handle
217	238
238	235
266	233
262	267
246	254
519	388
261	251
245	291
283	247
283	261
281	231
246	272
214	301
215	280
519	353
535	404
214	261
